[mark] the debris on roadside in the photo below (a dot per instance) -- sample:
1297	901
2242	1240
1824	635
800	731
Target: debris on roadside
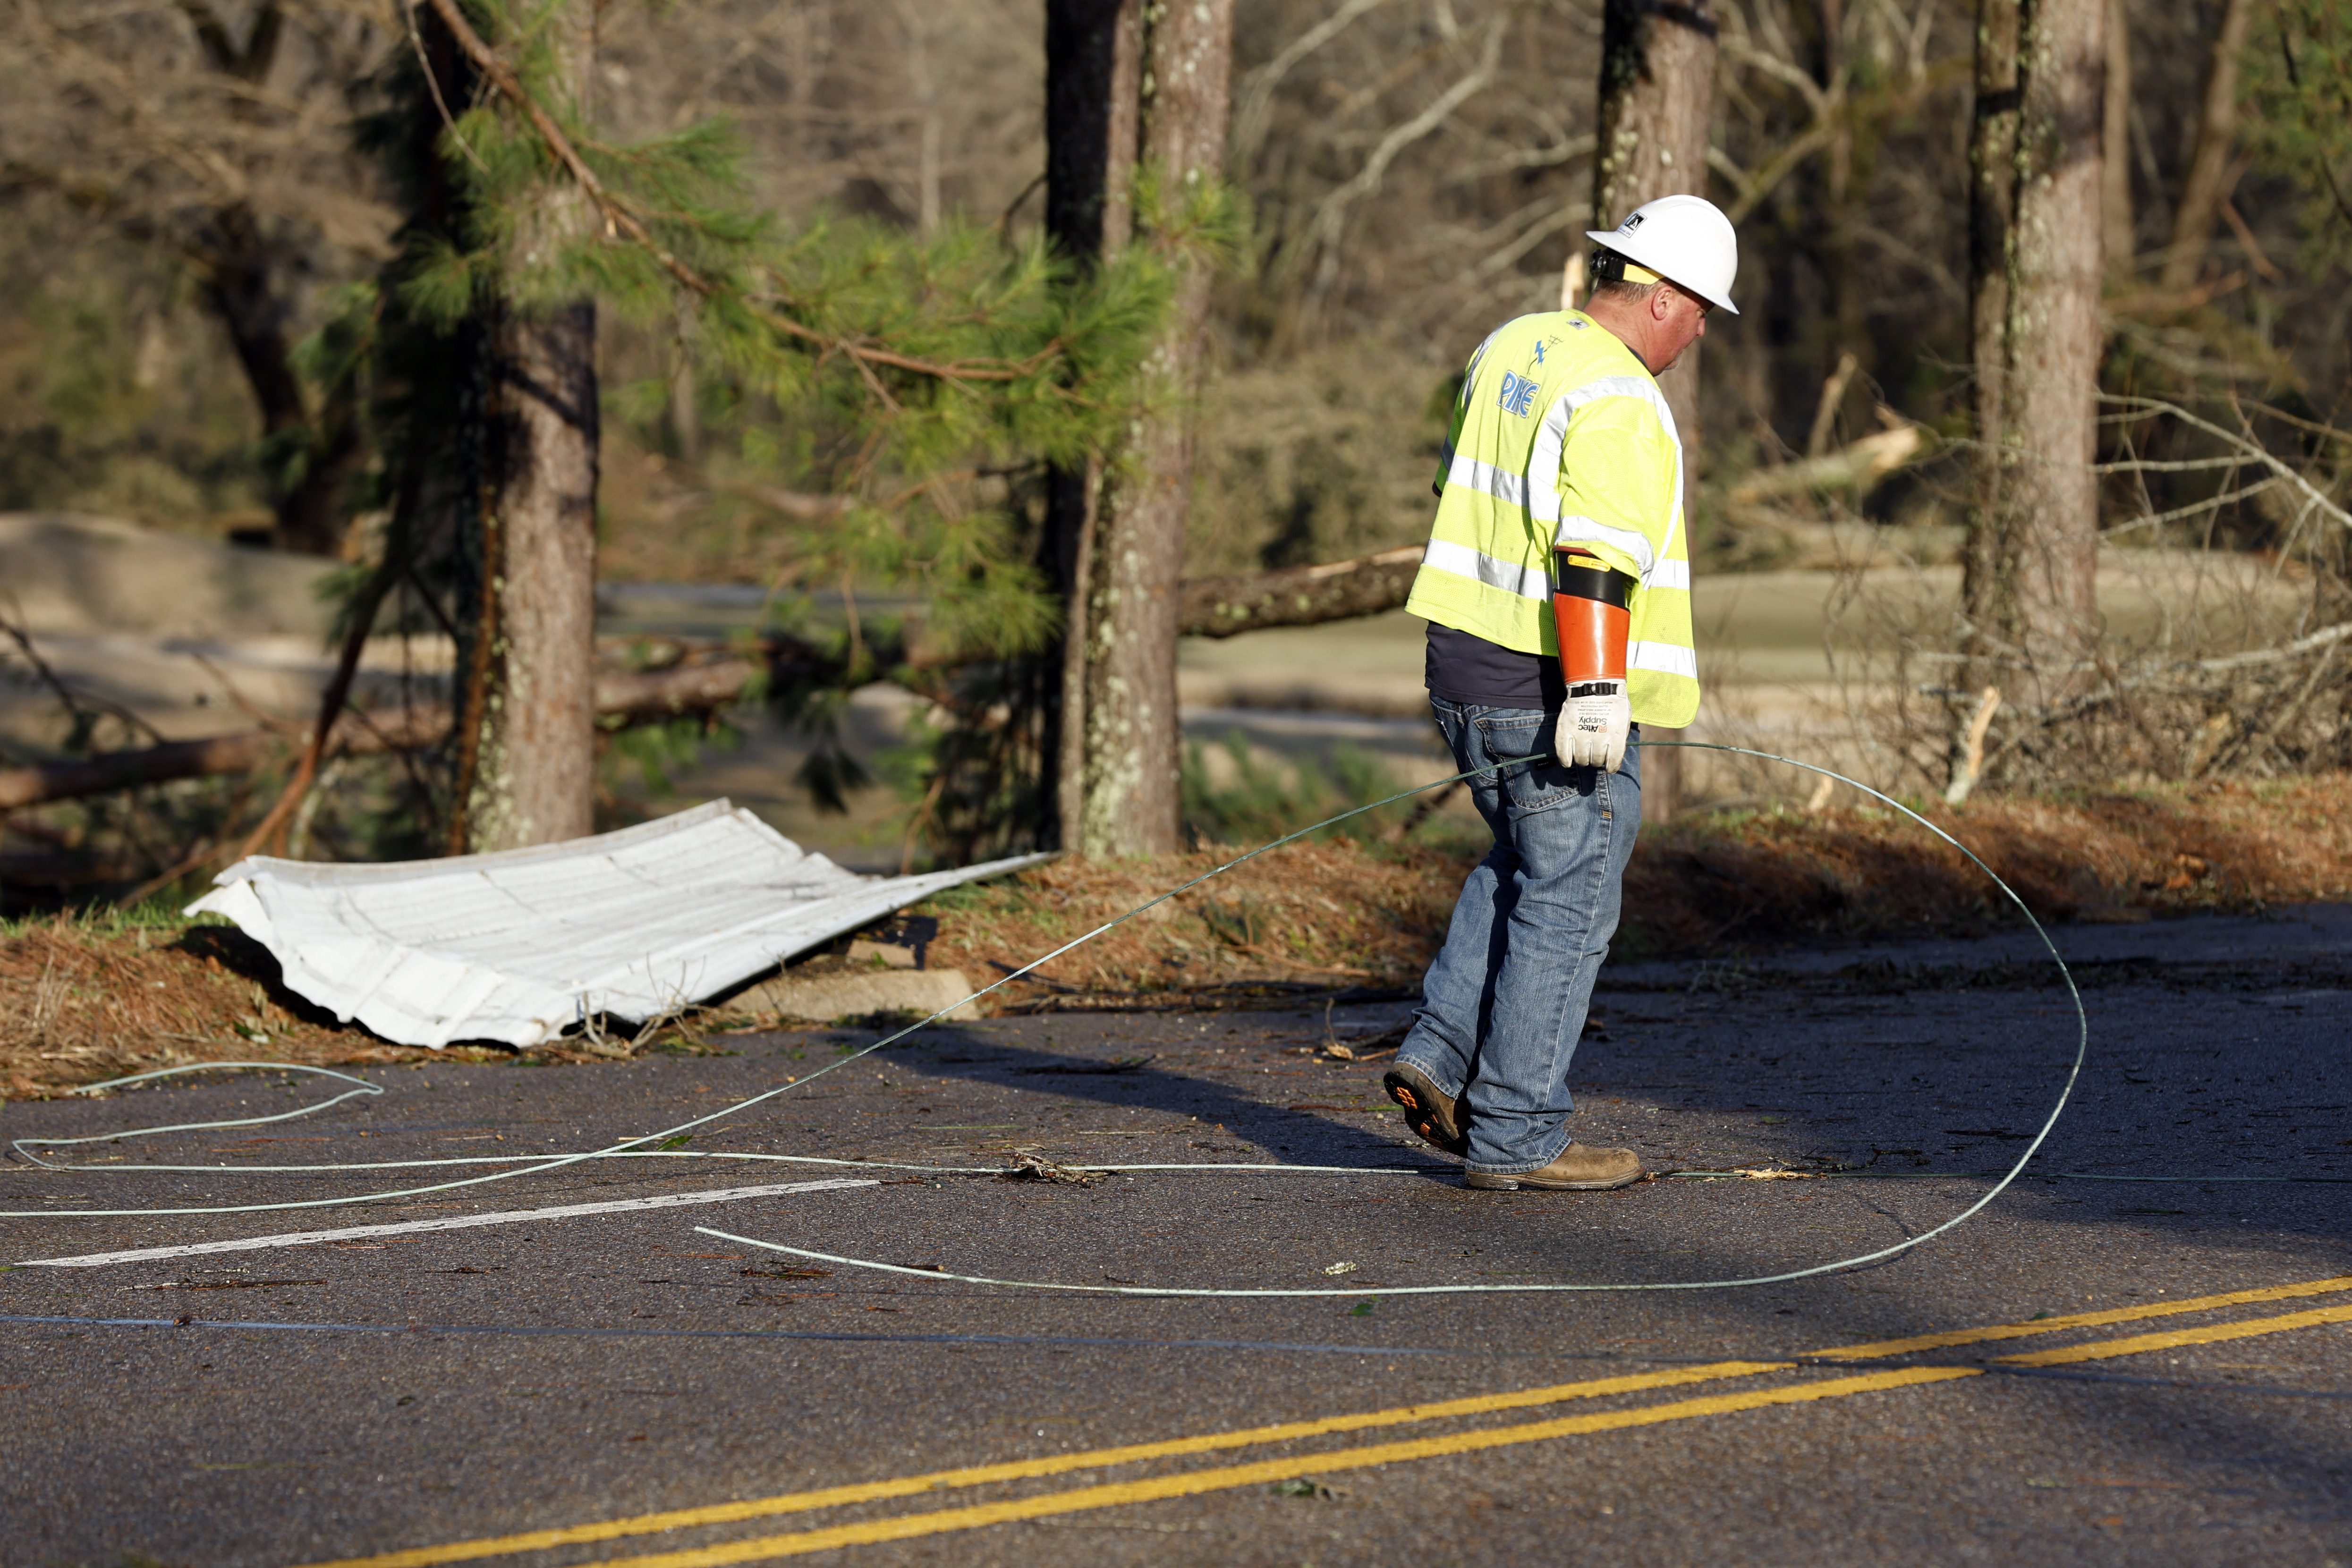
1364	1047
520	945
1027	1166
1304	1487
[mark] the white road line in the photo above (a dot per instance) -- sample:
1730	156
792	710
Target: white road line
459	1222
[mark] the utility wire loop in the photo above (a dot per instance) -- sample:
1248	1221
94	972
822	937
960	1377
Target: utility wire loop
24	1147
628	1145
2073	1073
632	1148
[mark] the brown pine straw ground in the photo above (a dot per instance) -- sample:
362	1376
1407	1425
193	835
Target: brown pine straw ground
87	999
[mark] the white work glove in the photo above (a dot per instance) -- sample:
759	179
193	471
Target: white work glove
1593	725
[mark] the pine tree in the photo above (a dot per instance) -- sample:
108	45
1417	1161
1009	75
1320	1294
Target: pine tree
1130	799
916	380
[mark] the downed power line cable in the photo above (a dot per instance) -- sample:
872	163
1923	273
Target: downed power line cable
635	1147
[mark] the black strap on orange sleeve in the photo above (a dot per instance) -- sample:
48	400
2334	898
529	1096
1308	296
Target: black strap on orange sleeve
1589	606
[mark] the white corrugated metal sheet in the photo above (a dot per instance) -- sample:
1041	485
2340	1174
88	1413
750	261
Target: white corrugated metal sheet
517	946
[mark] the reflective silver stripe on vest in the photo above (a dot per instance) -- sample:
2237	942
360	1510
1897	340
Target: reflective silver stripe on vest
1670	574
1461	560
1583	530
1665	658
1503	485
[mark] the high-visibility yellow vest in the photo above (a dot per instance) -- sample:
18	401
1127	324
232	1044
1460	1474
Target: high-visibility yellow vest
1562	437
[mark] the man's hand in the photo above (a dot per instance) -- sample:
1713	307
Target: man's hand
1593	725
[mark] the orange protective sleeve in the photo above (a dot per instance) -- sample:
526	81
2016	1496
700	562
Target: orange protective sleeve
1593	636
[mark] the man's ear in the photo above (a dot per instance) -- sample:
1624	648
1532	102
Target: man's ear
1661	299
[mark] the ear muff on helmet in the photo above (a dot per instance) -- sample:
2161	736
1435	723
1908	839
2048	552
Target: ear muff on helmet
1608	266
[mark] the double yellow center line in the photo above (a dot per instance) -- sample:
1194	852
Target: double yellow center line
1268	1472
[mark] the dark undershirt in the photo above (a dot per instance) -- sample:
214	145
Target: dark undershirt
1465	668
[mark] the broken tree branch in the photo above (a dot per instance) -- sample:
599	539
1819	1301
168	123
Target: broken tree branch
1859	466
502	77
1300	595
624	700
1212	606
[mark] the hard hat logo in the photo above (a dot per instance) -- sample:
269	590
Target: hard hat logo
1684	239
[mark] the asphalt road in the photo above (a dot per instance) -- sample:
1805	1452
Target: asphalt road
434	1393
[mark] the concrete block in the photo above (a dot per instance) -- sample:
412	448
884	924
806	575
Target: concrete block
831	996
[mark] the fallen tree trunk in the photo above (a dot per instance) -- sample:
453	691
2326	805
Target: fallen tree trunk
1858	468
1374	584
126	769
1299	596
623	700
1212	606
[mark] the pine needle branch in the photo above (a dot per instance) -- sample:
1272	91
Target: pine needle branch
619	219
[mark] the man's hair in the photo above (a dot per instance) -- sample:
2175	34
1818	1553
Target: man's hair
1610	282
1624	290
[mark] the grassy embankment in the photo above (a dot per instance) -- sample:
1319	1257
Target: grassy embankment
83	998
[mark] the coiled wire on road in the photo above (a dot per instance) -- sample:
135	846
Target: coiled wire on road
636	1148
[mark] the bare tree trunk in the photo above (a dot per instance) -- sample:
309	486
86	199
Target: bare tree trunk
2029	589
2202	193
535	746
1076	499
1094	74
532	704
918	20
243	279
1848	342
1657	104
1133	736
2116	222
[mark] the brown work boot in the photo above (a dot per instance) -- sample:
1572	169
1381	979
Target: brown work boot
1428	1111
1580	1169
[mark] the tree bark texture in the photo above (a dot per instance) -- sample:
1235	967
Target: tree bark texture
2036	261
1133	737
535	741
1835	248
1094	72
2117	223
1656	108
2207	185
527	738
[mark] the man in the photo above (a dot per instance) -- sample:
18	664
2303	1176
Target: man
1557	587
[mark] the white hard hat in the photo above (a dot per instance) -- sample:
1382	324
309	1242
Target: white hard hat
1684	239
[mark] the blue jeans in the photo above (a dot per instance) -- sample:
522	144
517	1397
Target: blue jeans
1502	1007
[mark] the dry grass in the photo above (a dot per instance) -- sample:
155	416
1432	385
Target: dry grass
1336	915
83	1000
1309	915
1771	878
86	1000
